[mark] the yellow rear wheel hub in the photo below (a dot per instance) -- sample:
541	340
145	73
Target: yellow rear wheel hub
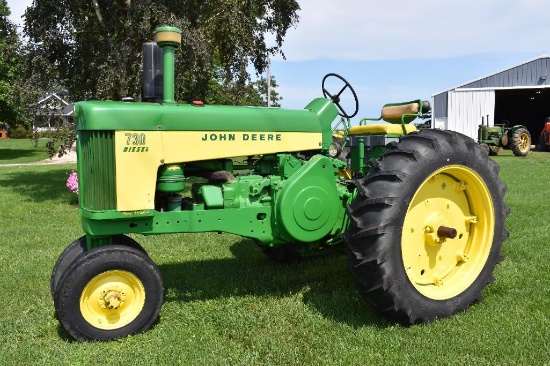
448	232
524	142
112	299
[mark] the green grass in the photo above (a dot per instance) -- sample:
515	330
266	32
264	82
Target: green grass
226	304
20	151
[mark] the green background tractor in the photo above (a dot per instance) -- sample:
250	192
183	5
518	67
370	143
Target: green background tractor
420	214
517	138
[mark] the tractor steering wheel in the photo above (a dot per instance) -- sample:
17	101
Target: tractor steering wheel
336	97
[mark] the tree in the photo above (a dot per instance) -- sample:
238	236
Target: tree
223	89
10	64
96	45
261	86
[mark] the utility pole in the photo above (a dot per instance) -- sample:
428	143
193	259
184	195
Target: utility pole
268	82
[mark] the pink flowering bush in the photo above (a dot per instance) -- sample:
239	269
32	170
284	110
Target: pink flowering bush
72	182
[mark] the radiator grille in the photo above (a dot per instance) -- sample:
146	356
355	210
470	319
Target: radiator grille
97	170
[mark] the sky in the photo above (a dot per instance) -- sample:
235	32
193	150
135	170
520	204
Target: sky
398	50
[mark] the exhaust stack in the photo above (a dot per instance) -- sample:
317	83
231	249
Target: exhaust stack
152	73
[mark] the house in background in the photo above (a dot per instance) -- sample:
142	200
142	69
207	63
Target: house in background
519	95
51	112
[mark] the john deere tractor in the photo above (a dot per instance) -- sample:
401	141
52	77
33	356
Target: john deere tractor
419	213
517	138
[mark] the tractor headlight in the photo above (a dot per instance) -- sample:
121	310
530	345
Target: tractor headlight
334	149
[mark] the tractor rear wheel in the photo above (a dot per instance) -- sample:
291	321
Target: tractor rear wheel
521	142
427	226
109	292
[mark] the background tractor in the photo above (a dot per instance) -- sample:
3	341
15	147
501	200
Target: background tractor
516	138
420	213
544	139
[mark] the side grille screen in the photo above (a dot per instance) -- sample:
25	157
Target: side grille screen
97	170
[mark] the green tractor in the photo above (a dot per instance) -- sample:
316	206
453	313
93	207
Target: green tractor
517	138
420	214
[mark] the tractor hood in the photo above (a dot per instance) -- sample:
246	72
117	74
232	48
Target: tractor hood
111	115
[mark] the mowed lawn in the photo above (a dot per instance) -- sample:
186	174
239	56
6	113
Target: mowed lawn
226	304
20	151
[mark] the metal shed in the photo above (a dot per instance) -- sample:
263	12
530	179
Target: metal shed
519	95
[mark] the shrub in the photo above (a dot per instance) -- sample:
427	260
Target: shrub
20	132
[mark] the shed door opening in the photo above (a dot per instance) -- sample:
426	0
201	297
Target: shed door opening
528	107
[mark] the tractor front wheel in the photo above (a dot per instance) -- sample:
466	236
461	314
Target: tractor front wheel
109	292
493	150
427	227
521	142
75	249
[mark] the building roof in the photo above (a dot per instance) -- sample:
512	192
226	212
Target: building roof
53	104
533	73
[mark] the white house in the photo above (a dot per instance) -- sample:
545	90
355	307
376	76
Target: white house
50	112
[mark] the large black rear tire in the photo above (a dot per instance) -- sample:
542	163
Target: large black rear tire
427	227
521	142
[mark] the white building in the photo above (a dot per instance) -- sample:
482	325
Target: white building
50	112
520	95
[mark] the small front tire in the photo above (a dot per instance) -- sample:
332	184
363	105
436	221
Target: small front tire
75	249
493	150
108	293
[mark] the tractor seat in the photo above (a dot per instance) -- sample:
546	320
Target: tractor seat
381	129
397	115
390	113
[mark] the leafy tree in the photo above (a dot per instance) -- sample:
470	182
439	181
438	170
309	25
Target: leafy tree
95	46
223	89
42	78
261	86
10	63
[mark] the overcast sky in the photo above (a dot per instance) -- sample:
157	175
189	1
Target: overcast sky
397	50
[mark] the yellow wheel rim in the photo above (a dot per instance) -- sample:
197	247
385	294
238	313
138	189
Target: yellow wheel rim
112	300
344	173
453	201
524	142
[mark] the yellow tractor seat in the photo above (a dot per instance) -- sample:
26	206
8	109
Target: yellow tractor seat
394	113
381	129
397	115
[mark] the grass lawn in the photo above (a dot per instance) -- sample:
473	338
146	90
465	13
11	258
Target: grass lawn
227	304
19	151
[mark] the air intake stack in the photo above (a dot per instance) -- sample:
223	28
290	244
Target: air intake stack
158	65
